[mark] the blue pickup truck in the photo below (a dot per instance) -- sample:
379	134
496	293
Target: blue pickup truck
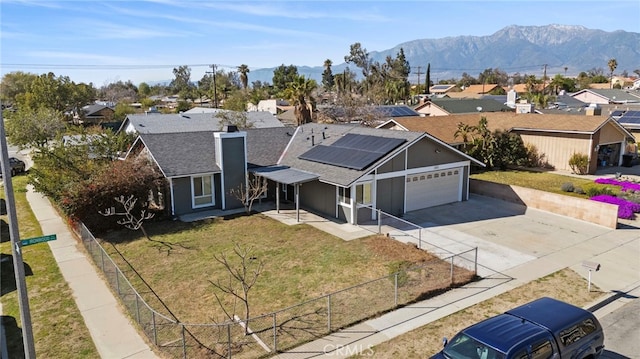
543	329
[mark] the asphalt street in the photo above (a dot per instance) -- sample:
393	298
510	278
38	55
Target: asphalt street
622	331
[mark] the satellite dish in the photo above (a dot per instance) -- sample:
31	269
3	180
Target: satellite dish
479	108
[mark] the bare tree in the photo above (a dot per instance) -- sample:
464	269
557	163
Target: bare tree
242	276
256	188
135	221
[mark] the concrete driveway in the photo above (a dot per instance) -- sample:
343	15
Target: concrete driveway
508	235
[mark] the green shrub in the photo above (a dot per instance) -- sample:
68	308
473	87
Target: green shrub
596	190
579	163
567	187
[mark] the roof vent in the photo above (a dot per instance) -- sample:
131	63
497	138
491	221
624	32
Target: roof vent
230	128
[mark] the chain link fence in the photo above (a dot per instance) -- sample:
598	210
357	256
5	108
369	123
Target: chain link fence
285	329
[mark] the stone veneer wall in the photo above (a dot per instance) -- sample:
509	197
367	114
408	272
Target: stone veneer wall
603	214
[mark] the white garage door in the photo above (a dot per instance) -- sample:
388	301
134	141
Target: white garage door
430	189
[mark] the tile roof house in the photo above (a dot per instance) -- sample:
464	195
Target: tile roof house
342	171
557	137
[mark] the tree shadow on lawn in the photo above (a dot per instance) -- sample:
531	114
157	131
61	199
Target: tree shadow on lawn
7	274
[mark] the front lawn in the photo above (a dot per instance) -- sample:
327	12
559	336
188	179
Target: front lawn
543	181
300	262
58	328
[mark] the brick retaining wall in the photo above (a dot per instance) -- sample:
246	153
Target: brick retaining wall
603	214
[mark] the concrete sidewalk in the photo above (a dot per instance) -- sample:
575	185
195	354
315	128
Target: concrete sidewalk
558	243
112	332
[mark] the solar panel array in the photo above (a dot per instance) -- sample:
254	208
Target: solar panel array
630	117
440	87
353	151
397	111
617	113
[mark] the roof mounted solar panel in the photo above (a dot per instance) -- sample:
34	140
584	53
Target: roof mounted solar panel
353	151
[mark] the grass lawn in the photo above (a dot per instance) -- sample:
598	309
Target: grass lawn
58	328
543	181
423	342
300	262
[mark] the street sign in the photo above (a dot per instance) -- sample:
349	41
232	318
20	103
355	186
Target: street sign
34	240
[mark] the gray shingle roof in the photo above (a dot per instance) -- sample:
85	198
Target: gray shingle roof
302	142
182	154
454	106
265	145
191	122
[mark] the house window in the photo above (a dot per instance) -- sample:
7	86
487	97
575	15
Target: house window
363	193
202	188
344	194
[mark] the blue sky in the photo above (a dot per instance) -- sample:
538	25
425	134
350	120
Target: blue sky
107	41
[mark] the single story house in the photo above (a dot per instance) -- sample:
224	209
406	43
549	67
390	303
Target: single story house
190	122
94	114
606	96
341	171
346	171
202	167
449	106
556	136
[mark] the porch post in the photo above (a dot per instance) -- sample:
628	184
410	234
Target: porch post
278	189
297	190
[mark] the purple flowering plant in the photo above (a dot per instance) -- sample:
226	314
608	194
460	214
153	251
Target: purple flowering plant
626	208
624	185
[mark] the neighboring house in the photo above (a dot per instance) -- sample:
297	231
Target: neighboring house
606	96
189	122
441	89
95	114
557	137
341	171
629	119
203	110
600	86
448	106
273	106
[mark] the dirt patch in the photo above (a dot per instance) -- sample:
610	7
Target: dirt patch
389	249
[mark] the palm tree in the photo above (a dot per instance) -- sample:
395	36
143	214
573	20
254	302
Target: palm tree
244	70
612	67
464	131
298	91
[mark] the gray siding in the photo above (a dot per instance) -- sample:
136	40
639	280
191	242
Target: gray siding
319	197
394	164
390	195
182	195
233	169
423	154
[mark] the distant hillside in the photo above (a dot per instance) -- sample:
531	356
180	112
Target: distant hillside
523	49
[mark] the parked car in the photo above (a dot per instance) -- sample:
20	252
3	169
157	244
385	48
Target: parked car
17	166
544	328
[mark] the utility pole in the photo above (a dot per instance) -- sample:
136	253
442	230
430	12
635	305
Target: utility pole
16	249
544	80
215	97
419	67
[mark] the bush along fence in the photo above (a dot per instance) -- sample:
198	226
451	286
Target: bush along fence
285	329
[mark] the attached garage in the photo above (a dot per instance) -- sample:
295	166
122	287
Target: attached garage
429	189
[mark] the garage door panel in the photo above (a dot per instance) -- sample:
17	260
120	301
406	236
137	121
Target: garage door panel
434	188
